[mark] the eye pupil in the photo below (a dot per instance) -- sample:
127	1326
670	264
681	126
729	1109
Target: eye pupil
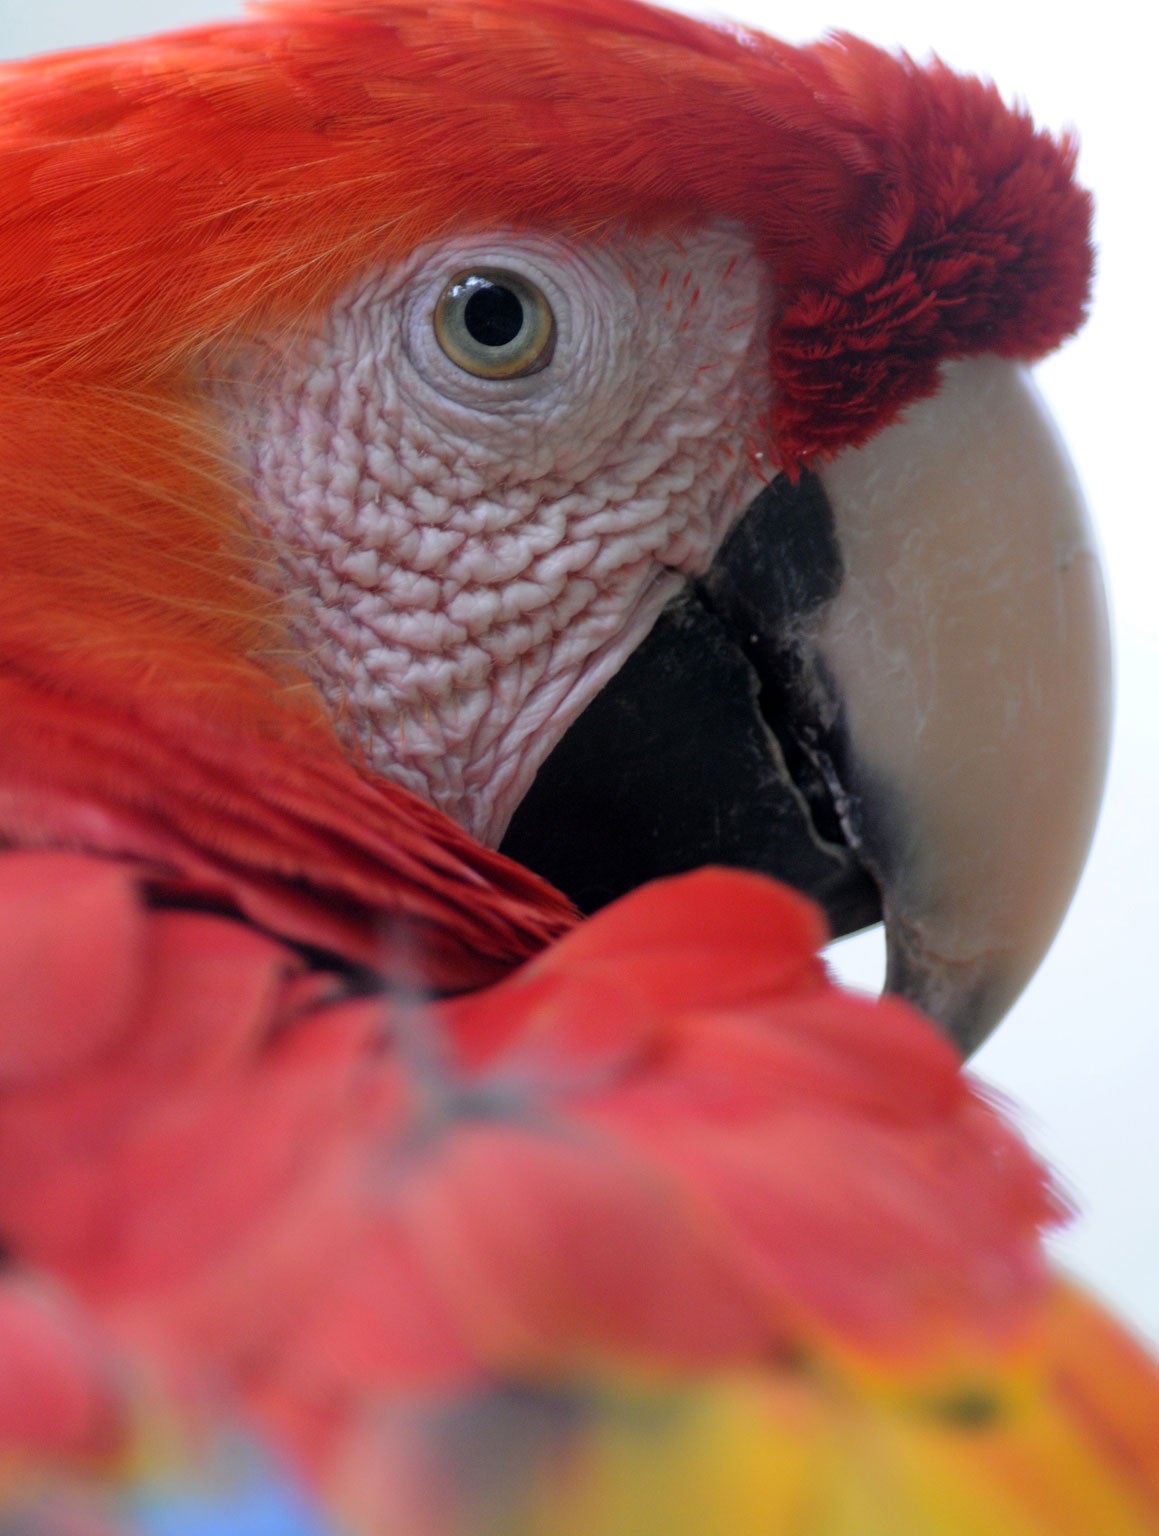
493	315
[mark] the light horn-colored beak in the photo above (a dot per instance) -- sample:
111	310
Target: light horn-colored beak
968	646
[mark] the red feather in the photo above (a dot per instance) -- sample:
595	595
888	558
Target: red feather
622	1157
239	1119
161	201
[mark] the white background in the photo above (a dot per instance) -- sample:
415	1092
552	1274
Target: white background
1079	1055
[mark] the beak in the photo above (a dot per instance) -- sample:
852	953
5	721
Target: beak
891	690
969	644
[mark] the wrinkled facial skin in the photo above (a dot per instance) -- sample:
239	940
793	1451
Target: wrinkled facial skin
465	561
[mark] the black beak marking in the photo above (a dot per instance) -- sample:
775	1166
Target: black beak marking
717	741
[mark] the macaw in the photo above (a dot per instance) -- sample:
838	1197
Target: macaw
467	464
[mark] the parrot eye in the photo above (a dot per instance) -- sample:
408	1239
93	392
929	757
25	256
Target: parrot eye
495	324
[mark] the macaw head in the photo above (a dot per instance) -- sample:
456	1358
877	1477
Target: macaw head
612	428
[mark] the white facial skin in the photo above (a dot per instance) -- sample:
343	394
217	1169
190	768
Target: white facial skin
466	561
